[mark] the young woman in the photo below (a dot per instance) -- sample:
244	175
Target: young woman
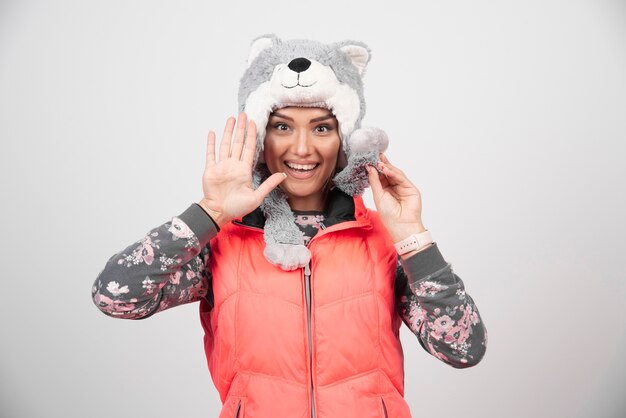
321	340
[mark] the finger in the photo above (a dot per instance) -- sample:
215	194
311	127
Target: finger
235	151
395	170
268	185
226	136
384	180
374	178
250	144
390	178
386	162
210	150
394	174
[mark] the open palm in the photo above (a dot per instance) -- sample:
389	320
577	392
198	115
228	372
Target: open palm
227	181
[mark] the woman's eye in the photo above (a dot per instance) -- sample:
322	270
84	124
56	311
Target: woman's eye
322	128
281	126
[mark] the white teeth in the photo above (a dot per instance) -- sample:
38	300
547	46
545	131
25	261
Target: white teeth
301	166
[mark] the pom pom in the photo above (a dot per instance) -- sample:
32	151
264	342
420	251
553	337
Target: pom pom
368	139
287	256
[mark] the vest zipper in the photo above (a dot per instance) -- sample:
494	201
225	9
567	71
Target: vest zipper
307	292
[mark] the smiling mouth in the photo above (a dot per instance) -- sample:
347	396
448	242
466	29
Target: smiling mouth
301	172
302	168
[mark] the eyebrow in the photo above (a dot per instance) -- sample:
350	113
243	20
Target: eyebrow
318	119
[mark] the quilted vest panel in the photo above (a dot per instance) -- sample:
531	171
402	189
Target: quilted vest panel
257	334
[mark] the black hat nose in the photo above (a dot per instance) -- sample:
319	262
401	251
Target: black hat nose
299	64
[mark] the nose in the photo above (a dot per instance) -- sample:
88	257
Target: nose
301	146
299	64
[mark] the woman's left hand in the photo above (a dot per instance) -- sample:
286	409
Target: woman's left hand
397	200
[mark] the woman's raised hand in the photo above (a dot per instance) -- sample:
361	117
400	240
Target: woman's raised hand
227	180
397	200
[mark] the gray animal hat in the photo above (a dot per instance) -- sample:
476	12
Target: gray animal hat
306	73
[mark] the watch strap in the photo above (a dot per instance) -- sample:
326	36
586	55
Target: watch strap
414	242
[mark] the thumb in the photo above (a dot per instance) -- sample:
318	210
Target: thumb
377	187
268	185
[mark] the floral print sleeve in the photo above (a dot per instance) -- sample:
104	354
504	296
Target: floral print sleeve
433	303
165	268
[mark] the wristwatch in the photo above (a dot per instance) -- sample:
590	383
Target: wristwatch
414	242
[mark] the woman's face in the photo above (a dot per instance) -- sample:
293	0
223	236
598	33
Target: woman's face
302	142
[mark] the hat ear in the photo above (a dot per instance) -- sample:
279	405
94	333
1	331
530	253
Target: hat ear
358	54
259	44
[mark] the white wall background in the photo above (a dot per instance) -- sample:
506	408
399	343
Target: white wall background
510	116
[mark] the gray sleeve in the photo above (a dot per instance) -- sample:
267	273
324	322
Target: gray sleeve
166	268
433	303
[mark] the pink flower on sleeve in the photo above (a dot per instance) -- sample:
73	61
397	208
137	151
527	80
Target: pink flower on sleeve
180	229
443	324
175	277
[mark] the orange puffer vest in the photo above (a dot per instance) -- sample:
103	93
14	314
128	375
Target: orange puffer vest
322	341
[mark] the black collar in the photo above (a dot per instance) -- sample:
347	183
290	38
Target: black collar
340	208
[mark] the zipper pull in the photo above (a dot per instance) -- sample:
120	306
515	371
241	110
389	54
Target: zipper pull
322	225
307	270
